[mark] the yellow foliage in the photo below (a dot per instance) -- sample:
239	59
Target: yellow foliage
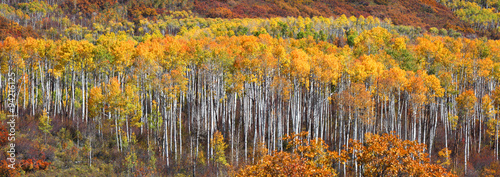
365	67
453	119
95	101
445	153
466	101
219	147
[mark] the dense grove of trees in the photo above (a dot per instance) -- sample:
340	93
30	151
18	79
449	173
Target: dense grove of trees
481	15
211	99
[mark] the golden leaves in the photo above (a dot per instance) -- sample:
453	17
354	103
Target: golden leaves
399	43
466	100
371	41
365	67
445	153
123	53
487	106
300	66
113	94
434	86
219	147
95	101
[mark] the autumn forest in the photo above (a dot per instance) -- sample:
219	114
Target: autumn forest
249	88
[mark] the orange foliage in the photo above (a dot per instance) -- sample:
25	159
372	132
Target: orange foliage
29	165
10	28
139	11
89	6
309	158
221	12
5	170
387	155
283	164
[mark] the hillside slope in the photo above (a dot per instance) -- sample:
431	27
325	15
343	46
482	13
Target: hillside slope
9	28
423	13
